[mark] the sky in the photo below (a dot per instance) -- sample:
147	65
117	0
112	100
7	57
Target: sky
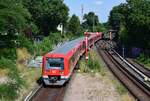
102	8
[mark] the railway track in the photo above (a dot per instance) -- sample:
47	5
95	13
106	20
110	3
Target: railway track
134	80
49	94
140	67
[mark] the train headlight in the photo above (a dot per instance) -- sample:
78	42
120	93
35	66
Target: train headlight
53	71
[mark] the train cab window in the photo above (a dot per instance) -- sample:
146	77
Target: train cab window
55	63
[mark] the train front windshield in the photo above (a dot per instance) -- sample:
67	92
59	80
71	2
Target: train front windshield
55	63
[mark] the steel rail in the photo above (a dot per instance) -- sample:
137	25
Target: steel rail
133	84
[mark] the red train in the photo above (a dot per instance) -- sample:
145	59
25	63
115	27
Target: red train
58	65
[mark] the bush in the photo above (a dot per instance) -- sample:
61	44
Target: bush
144	59
9	91
25	42
47	43
9	53
93	64
55	38
43	47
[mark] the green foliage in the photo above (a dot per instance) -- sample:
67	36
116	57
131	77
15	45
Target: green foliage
9	53
144	59
47	43
99	28
70	36
5	63
91	22
7	92
47	14
25	42
12	15
13	19
11	65
74	25
19	18
134	16
116	18
43	47
55	38
10	90
93	63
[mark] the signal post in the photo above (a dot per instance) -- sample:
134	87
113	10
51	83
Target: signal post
87	34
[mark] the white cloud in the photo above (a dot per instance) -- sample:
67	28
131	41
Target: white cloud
98	2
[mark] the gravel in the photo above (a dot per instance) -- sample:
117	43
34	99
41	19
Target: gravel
91	87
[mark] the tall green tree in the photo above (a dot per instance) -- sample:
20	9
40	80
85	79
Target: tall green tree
13	20
74	25
133	20
91	22
138	22
47	14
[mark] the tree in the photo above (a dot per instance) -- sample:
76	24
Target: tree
138	22
47	14
133	20
115	18
90	20
13	20
74	25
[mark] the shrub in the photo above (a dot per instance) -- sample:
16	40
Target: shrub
9	91
144	59
93	62
25	42
9	53
47	43
43	47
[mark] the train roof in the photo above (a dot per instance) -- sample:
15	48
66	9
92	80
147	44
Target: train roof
67	46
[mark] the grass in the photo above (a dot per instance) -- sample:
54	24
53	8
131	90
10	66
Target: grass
30	75
22	54
9	91
144	60
119	87
21	79
93	66
3	72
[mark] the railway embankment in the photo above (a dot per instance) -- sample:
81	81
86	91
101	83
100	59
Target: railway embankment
95	83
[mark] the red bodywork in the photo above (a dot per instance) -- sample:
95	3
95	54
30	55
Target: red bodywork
54	71
70	59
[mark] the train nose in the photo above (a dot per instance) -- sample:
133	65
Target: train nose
55	72
53	79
